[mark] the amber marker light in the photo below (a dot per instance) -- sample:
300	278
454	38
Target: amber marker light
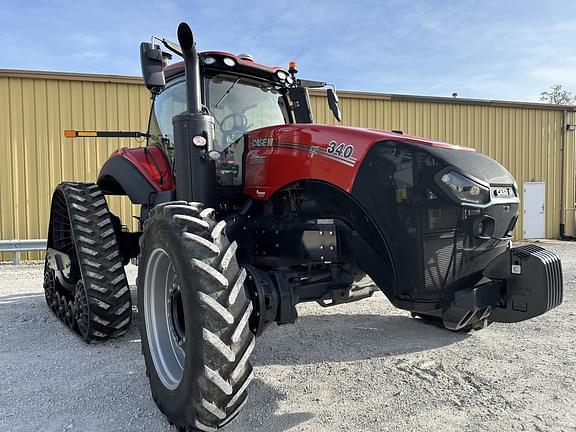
70	133
80	134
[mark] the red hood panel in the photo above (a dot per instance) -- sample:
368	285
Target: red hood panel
361	134
280	155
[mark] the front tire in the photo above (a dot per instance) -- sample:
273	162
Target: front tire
194	317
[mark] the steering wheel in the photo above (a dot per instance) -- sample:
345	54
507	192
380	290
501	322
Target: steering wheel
233	126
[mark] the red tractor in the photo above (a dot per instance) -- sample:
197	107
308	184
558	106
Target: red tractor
249	208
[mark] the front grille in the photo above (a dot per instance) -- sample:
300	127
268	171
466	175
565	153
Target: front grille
437	256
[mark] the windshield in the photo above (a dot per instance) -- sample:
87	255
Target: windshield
240	105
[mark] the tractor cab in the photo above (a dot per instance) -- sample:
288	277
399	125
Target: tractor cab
241	95
240	100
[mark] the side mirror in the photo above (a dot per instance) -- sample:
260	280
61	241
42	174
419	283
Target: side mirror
152	60
333	103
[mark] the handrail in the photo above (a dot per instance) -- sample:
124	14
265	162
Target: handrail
17	246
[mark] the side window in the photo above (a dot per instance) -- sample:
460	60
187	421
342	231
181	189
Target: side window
170	102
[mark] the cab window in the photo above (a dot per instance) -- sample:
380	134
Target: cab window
171	102
238	105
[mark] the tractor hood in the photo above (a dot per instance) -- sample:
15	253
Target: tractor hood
280	155
355	135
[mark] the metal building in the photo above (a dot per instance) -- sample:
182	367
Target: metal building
535	142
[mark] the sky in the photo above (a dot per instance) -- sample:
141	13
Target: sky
487	49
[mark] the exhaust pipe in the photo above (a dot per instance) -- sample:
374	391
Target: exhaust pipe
193	133
192	68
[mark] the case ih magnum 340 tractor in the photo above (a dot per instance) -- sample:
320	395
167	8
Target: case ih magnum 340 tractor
248	208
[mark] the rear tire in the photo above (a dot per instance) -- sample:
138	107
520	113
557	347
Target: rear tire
194	317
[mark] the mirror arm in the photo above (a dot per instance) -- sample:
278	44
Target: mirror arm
172	46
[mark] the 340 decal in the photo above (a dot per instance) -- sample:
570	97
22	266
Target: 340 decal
342	149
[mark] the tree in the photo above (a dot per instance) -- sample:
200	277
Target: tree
558	95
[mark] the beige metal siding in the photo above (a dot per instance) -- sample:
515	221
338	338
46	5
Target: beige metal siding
34	155
36	107
526	140
570	177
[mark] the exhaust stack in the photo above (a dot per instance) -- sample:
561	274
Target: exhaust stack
195	172
192	68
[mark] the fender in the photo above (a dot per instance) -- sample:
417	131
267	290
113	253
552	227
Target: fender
137	173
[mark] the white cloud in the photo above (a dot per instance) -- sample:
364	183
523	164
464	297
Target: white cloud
562	73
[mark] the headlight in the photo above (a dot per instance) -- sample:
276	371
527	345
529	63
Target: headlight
465	189
281	75
209	60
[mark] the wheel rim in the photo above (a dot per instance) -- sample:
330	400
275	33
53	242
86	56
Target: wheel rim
164	318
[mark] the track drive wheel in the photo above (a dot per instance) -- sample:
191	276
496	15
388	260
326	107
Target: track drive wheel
92	295
194	317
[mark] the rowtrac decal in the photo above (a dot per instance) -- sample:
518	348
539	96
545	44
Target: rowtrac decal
339	152
256	160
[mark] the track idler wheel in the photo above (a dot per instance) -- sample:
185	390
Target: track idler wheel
81	310
60	306
69	316
49	287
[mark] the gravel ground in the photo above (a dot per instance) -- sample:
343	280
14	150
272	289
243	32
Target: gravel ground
359	367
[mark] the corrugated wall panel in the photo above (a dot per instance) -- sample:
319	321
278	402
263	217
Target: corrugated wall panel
34	110
36	157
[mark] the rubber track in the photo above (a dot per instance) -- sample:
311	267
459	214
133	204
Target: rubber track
99	260
227	340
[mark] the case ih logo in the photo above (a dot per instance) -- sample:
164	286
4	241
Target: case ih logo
262	142
503	192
